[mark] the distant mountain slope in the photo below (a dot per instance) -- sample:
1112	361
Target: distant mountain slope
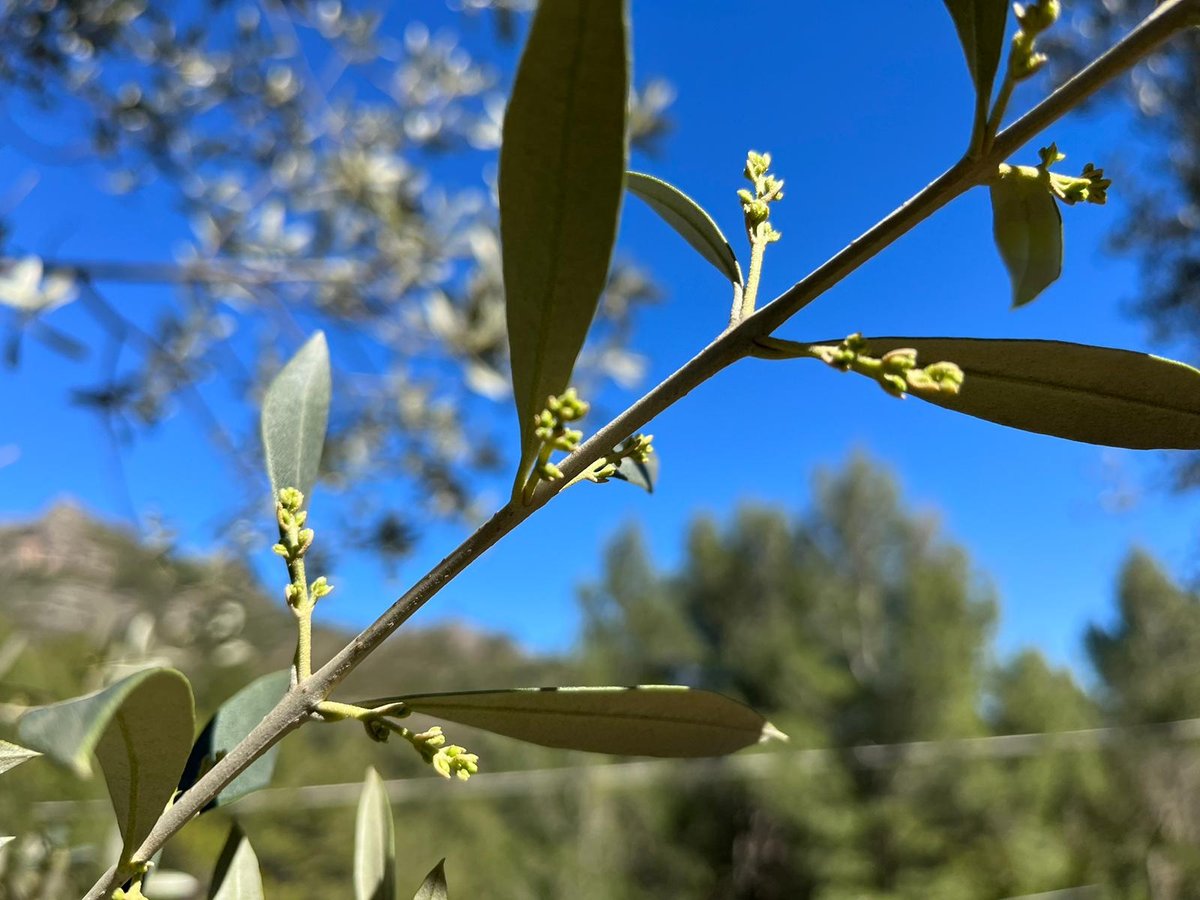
70	576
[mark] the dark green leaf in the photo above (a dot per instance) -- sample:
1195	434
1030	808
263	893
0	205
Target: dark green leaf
980	27
562	163
12	755
374	843
687	217
1027	227
295	413
434	885
642	474
140	728
1097	395
143	751
236	876
648	720
234	720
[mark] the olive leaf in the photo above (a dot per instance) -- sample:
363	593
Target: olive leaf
235	719
643	474
434	885
562	163
688	219
374	843
1027	227
1097	395
980	26
295	413
140	729
236	876
12	755
646	720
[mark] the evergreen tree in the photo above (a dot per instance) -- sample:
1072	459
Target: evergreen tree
1147	663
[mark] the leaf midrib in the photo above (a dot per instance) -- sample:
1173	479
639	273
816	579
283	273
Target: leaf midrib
583	714
560	206
1074	391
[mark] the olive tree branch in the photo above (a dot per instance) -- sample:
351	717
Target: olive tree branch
300	703
210	271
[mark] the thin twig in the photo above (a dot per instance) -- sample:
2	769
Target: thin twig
212	271
735	343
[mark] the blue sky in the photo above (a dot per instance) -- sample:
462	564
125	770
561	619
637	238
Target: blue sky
859	111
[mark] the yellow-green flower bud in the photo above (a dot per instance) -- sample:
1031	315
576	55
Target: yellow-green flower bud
899	360
1037	17
895	385
756	211
568	440
1028	66
856	343
757	164
291	499
947	376
1050	155
431	738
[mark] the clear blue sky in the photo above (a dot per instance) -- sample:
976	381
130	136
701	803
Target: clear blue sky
859	110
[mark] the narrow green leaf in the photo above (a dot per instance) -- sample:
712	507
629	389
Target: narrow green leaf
689	219
980	27
640	474
143	751
561	168
434	885
236	876
12	755
140	729
374	843
1097	395
235	719
295	413
647	720
67	732
1027	227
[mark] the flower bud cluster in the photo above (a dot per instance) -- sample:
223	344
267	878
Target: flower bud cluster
553	432
1024	60
294	538
446	759
896	371
767	189
294	541
1090	186
638	448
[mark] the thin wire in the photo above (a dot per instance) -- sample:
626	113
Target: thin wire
538	782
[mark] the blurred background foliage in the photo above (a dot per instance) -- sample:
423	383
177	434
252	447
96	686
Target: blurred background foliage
320	152
857	626
317	155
